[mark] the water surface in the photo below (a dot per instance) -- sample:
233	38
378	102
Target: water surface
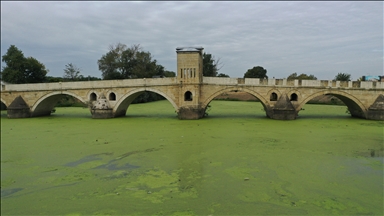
235	162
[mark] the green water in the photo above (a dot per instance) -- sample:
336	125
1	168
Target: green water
235	162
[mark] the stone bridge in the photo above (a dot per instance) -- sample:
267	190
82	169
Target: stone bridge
190	93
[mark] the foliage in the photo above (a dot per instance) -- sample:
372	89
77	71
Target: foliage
301	77
256	72
69	101
147	97
71	72
207	109
125	63
169	74
79	78
211	66
343	77
20	69
222	75
88	78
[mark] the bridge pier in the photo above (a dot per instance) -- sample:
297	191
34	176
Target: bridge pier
280	114
101	109
376	110
189	113
283	109
18	109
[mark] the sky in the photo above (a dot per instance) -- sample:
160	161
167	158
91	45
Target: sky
318	38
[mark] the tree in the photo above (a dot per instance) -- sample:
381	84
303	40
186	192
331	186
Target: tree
169	74
343	77
256	72
71	72
211	66
301	77
222	75
79	78
20	69
125	63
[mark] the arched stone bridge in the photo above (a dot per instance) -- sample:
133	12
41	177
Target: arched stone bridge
282	99
190	93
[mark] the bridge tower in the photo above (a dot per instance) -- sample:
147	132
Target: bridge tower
190	78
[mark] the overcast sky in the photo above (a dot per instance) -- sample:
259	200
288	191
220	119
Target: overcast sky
319	38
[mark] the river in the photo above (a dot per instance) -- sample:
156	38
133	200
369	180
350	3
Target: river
234	162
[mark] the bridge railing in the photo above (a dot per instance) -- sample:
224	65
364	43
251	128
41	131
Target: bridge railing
90	84
206	80
298	83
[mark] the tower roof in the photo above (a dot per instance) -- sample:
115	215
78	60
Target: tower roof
189	49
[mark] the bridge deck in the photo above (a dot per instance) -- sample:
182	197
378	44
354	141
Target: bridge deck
206	80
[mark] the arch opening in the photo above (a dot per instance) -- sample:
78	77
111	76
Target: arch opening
273	97
140	97
336	100
293	97
46	105
93	96
112	96
188	96
233	102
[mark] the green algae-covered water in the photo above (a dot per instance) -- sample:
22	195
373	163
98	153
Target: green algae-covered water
235	162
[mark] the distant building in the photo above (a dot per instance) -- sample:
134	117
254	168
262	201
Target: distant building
373	78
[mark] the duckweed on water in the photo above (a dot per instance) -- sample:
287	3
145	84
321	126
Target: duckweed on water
235	162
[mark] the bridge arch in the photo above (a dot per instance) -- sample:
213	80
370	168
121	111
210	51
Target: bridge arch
123	103
263	101
355	106
44	105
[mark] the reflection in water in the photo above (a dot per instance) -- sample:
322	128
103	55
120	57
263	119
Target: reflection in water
113	166
7	192
83	160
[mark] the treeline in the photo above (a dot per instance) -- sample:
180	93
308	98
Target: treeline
261	73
